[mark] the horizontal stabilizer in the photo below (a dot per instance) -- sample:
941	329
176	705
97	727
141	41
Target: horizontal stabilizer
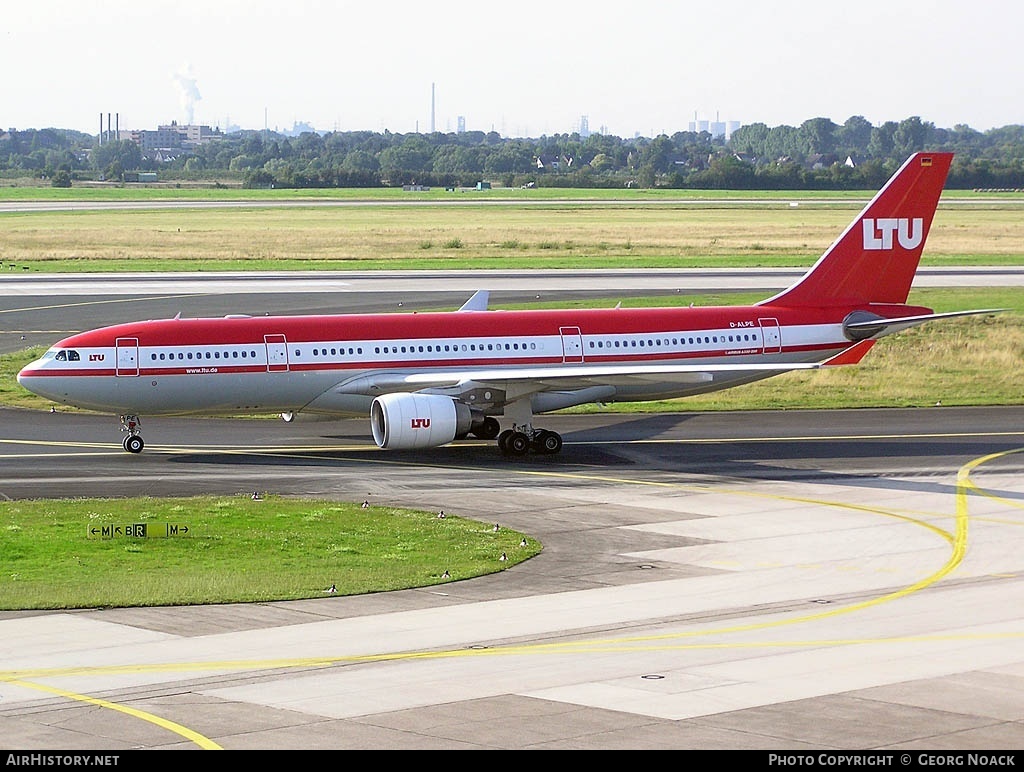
873	327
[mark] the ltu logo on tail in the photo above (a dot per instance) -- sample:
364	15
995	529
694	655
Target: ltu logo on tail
420	423
878	233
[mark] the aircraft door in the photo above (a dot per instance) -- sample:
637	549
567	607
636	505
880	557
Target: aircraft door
771	336
572	344
127	356
277	353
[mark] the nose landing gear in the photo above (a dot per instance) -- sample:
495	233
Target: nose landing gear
132	442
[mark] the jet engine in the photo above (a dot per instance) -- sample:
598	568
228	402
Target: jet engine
407	421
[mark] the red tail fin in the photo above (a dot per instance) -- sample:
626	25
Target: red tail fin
875	258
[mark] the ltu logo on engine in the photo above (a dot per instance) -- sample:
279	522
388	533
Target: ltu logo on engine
878	233
420	423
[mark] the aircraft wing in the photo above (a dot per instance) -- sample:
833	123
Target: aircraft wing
546	378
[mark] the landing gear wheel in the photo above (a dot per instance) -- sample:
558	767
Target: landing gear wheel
488	429
133	443
518	444
503	441
547	442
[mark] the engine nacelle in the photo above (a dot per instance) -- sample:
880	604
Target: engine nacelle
407	421
304	417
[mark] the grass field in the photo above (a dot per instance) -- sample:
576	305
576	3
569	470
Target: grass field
511	236
233	549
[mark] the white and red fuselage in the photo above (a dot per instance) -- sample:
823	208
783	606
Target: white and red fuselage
338	364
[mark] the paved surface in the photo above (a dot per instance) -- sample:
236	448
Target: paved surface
795	580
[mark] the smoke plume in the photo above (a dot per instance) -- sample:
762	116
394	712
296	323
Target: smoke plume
186	83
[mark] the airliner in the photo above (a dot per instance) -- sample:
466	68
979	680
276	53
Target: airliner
428	379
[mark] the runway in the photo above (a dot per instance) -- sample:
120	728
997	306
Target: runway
793	580
40	309
804	580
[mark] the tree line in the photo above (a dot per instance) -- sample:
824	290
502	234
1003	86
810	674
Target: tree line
818	154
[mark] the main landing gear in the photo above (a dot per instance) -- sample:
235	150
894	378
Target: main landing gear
520	440
133	440
522	437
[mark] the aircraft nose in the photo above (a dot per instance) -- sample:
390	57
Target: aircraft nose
41	387
26	378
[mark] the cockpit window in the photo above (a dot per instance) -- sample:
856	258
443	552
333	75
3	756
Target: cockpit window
67	355
72	356
62	356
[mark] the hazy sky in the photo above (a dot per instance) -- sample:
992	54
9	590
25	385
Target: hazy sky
522	68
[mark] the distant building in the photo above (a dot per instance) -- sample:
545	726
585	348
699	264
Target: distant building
553	162
716	128
817	161
169	141
194	135
164	155
298	129
548	162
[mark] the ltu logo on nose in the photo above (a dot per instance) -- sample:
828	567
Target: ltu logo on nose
878	233
420	423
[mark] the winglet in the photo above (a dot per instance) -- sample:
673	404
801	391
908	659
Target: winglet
478	302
